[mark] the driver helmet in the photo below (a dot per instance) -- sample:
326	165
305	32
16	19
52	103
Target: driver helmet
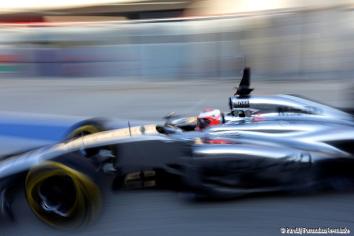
209	117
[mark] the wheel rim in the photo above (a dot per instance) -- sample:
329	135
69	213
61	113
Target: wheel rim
61	196
83	131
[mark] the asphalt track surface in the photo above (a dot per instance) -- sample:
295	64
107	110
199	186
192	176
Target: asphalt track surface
151	212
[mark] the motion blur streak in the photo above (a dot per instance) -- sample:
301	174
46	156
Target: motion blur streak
311	40
145	58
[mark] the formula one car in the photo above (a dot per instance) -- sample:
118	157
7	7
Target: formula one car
263	144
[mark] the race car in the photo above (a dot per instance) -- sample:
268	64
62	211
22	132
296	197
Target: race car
263	144
244	107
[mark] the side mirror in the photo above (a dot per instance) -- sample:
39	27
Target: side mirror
167	129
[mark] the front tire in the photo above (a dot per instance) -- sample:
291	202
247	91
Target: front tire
62	196
84	128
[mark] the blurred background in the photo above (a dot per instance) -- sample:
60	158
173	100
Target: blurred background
180	39
141	59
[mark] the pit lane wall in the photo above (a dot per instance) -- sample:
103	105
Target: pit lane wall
275	44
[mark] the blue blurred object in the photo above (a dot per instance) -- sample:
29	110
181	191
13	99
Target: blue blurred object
36	126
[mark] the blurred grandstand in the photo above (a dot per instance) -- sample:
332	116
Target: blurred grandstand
177	39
